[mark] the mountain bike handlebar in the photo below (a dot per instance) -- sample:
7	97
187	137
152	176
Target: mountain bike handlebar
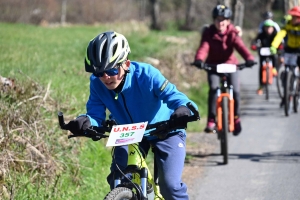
162	127
213	67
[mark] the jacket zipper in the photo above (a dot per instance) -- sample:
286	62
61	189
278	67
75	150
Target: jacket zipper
126	107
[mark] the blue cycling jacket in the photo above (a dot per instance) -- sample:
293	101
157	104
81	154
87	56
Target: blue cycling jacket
146	96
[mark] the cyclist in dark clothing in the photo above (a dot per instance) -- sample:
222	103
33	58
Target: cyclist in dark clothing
264	39
217	46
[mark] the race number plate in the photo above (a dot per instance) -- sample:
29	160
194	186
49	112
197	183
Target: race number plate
265	51
226	68
126	134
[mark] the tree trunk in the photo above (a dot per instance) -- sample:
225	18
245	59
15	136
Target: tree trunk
63	12
239	13
227	3
269	5
142	8
155	15
189	15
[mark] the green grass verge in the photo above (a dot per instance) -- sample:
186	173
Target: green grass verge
47	65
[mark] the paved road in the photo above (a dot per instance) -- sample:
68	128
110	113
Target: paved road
264	161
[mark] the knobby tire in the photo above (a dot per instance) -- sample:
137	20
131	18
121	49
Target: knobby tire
225	130
267	83
279	81
287	92
120	193
296	94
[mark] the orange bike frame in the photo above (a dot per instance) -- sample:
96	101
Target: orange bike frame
264	73
230	114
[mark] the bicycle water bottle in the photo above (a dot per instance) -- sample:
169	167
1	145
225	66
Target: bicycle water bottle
150	192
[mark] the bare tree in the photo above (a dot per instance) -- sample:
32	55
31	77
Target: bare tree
190	14
63	12
227	3
155	15
239	13
269	4
142	9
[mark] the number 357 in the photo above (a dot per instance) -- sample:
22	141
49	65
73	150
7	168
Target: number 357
124	135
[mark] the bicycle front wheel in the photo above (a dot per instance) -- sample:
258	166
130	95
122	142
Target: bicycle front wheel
120	193
267	82
225	130
287	92
279	82
296	94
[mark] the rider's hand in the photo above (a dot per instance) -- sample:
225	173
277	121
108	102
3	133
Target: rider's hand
253	47
179	116
273	50
78	125
250	63
199	64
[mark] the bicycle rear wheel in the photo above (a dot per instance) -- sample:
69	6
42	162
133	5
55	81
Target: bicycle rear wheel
225	130
287	92
120	193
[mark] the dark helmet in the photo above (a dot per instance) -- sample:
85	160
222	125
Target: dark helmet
268	15
105	51
221	10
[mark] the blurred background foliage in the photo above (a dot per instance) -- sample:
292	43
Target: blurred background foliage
158	14
42	49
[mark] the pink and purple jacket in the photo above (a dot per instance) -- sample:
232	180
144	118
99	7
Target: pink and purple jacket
217	48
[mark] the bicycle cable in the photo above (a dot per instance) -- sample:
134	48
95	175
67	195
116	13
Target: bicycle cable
124	175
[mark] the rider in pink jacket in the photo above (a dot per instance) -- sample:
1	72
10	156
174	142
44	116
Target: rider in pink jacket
217	46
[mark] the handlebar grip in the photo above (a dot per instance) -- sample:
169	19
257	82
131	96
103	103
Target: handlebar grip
61	119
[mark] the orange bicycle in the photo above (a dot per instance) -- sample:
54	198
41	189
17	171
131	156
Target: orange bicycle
225	103
267	69
268	66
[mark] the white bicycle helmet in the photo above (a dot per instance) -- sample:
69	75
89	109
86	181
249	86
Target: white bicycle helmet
105	51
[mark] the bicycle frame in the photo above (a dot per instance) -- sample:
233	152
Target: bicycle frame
141	175
267	65
222	93
267	75
225	105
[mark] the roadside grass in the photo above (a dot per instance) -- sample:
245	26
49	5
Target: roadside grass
36	159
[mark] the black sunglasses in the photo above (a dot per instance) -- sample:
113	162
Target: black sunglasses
111	72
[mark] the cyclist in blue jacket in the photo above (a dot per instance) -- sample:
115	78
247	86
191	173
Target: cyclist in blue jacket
135	92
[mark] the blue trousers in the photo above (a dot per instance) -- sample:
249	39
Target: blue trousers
170	155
